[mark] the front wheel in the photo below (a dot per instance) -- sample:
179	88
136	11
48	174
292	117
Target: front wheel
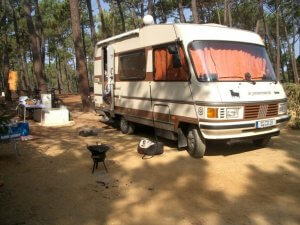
126	126
262	142
196	143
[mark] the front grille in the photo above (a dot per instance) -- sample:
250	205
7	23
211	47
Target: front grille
260	111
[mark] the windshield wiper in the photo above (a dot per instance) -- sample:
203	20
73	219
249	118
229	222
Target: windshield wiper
248	78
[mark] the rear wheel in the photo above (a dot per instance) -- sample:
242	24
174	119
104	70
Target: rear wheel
262	142
195	142
126	127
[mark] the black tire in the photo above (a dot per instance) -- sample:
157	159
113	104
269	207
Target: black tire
196	144
262	142
126	126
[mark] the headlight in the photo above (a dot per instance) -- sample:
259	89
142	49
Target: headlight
282	108
232	113
221	113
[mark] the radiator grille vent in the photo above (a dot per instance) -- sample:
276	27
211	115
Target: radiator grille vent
260	111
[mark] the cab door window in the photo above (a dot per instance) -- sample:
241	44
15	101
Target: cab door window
170	64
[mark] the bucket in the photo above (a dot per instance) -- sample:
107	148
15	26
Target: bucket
23	128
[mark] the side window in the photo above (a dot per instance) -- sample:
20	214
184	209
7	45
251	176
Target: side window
164	68
132	66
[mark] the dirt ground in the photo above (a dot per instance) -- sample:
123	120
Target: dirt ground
232	184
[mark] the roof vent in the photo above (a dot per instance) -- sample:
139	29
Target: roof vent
148	20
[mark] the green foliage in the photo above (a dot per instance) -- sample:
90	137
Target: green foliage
293	94
59	46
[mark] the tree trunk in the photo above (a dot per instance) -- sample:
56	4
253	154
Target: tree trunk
269	42
260	15
57	74
21	56
281	64
195	11
112	10
151	10
229	13
6	69
36	50
286	63
1	77
180	11
103	26
164	14
121	15
225	12
80	60
277	44
218	13
133	18
92	25
150	7
291	54
84	50
142	10
65	62
60	74
5	57
40	32
66	73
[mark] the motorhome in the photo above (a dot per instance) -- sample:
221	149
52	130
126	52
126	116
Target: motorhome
193	83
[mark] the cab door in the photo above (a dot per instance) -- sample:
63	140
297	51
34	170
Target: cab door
169	88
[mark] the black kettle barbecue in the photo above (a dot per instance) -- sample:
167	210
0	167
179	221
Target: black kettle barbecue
98	154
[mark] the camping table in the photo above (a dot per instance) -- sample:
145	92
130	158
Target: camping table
36	106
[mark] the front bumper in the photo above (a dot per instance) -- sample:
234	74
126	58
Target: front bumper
241	129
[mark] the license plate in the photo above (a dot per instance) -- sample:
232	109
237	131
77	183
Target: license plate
265	123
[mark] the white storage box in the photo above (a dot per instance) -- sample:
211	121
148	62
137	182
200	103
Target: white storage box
55	117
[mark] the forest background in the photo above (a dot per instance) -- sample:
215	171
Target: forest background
51	42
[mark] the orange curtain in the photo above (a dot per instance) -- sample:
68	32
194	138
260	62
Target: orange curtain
164	69
160	64
229	61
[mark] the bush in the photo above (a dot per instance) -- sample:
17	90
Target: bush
293	94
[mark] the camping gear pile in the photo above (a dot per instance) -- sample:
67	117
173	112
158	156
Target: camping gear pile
147	147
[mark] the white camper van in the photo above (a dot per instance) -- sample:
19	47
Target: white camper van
193	83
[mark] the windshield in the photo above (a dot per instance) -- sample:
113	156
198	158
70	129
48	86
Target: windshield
230	61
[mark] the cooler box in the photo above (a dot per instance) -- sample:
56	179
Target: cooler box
55	116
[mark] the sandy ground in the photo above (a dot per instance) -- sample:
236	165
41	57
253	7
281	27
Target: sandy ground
233	184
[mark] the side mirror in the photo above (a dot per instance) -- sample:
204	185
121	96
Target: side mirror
173	50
